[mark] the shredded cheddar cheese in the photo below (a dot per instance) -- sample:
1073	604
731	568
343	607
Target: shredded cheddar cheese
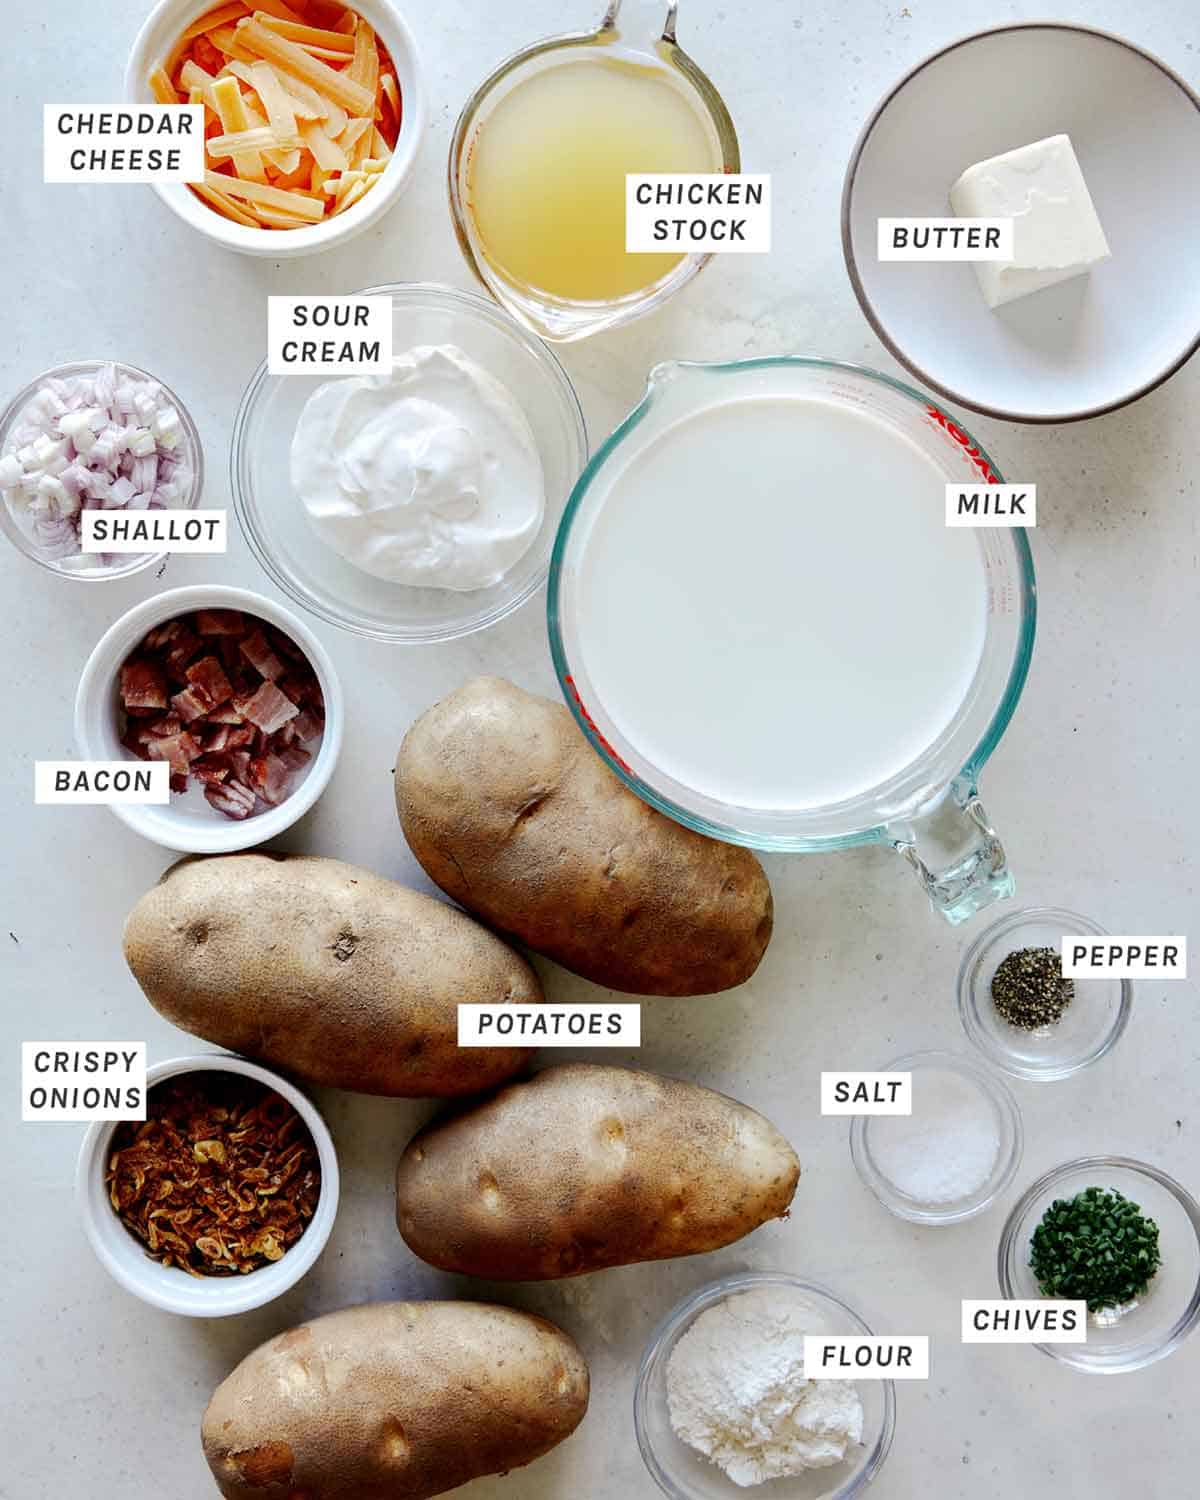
302	108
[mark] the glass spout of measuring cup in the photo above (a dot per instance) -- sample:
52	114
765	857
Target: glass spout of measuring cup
537	188
652	686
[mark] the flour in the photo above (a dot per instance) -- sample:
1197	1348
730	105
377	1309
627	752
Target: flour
737	1393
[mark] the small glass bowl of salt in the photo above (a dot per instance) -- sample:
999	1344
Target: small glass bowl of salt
954	1155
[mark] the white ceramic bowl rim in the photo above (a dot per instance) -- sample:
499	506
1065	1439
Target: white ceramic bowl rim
962	398
126	1261
397	37
668	1330
93	701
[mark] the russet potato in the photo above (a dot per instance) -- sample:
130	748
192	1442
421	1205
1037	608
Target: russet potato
327	971
508	809
393	1401
585	1167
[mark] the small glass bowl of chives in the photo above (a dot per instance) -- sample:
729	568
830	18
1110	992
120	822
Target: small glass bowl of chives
1155	1317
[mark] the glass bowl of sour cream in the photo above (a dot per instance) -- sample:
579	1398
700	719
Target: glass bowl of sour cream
422	505
711	1378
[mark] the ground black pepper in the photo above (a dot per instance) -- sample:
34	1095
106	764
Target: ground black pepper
1028	988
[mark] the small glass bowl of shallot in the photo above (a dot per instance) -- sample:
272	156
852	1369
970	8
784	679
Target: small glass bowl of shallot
93	435
235	694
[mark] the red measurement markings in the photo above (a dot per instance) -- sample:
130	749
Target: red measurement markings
971	449
591	724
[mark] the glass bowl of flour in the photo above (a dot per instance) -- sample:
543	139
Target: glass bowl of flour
723	1406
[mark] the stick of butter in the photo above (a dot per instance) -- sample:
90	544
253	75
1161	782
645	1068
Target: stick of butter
1056	231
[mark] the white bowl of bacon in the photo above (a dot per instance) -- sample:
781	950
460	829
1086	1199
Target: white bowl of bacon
235	693
314	115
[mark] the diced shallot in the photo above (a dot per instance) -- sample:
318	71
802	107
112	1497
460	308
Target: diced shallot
89	440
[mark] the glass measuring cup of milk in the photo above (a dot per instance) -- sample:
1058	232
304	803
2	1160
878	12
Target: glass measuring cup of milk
761	621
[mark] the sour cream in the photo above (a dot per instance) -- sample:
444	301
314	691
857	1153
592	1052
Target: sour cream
427	476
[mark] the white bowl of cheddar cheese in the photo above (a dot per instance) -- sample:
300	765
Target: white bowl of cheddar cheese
155	42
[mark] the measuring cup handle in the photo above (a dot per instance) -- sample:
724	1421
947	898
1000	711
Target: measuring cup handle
957	855
614	8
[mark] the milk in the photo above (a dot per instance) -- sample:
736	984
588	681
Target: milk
771	609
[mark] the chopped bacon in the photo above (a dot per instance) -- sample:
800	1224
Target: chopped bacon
221	622
284	643
302	687
211	769
294	757
208	693
189	705
143	684
162	635
269	776
156	729
230	797
208	680
135	745
240	760
268	709
307	726
182	649
226	714
257	651
180	750
216	739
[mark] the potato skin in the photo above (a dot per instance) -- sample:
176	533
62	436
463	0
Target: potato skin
585	1167
329	972
393	1401
511	812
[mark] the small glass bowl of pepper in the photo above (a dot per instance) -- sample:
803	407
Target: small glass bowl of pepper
1158	1304
1018	1010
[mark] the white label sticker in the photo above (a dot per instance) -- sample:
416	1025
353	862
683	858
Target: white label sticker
153	531
329	335
991	505
866	1093
945	239
96	782
698	211
550	1025
83	1081
123	142
1035	1320
876	1356
1086	957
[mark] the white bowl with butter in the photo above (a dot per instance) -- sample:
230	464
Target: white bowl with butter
1064	331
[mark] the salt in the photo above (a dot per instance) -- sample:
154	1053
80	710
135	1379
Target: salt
947	1148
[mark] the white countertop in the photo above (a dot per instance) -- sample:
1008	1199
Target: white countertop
1091	790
